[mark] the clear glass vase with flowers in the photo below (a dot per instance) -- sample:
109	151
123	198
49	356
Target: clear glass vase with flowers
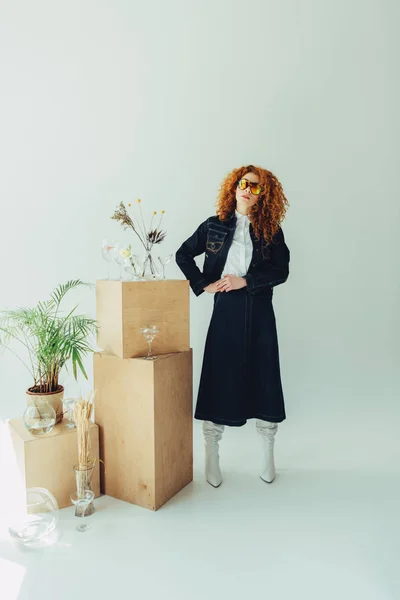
146	268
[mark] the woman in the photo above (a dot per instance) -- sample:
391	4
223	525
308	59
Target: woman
245	258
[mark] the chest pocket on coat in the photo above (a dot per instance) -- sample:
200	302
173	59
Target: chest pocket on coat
215	240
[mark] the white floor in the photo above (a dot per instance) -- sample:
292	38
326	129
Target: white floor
328	528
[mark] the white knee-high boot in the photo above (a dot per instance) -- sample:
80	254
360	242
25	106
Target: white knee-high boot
267	431
212	435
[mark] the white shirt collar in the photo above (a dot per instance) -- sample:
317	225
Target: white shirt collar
240	216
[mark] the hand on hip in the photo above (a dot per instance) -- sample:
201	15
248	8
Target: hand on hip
230	282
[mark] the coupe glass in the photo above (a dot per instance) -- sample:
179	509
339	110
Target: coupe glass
149	334
165	260
108	252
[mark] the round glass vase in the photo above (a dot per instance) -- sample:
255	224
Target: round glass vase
39	418
37	519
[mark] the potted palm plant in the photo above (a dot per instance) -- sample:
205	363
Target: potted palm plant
50	341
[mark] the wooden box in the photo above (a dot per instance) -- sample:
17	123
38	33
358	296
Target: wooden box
123	307
48	460
144	412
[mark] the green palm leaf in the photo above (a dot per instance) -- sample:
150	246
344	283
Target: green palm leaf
52	340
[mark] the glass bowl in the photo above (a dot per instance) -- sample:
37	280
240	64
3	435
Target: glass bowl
39	418
38	518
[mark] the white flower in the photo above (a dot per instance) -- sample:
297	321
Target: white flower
125	253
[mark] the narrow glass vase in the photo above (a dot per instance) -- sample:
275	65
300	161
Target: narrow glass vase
83	477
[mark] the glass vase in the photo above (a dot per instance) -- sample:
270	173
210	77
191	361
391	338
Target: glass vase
39	418
83	478
149	268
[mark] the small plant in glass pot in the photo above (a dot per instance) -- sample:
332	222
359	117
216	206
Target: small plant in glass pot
49	340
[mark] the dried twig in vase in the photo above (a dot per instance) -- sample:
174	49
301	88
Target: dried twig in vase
83	410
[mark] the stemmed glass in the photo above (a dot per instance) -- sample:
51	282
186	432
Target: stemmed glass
119	257
132	266
164	260
107	252
72	391
81	505
69	404
149	334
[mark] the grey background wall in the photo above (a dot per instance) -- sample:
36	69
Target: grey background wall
103	102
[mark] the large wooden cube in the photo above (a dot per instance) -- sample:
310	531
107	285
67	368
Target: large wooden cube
123	307
48	460
144	412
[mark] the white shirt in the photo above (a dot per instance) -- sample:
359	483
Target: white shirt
241	249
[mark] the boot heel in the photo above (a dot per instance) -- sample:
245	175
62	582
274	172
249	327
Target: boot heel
267	431
212	435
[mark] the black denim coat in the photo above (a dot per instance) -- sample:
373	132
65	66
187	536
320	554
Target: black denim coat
269	265
240	377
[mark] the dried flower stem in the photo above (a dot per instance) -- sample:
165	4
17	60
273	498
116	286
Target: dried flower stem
152	218
121	215
144	226
82	416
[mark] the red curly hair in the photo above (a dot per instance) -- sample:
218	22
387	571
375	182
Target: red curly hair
269	210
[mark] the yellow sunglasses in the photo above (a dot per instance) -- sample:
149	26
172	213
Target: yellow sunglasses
255	188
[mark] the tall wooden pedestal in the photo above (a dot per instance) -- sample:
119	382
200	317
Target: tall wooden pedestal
144	411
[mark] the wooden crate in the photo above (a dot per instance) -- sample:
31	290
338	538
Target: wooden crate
123	307
47	460
144	412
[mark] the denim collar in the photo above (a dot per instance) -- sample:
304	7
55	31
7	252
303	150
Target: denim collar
232	220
